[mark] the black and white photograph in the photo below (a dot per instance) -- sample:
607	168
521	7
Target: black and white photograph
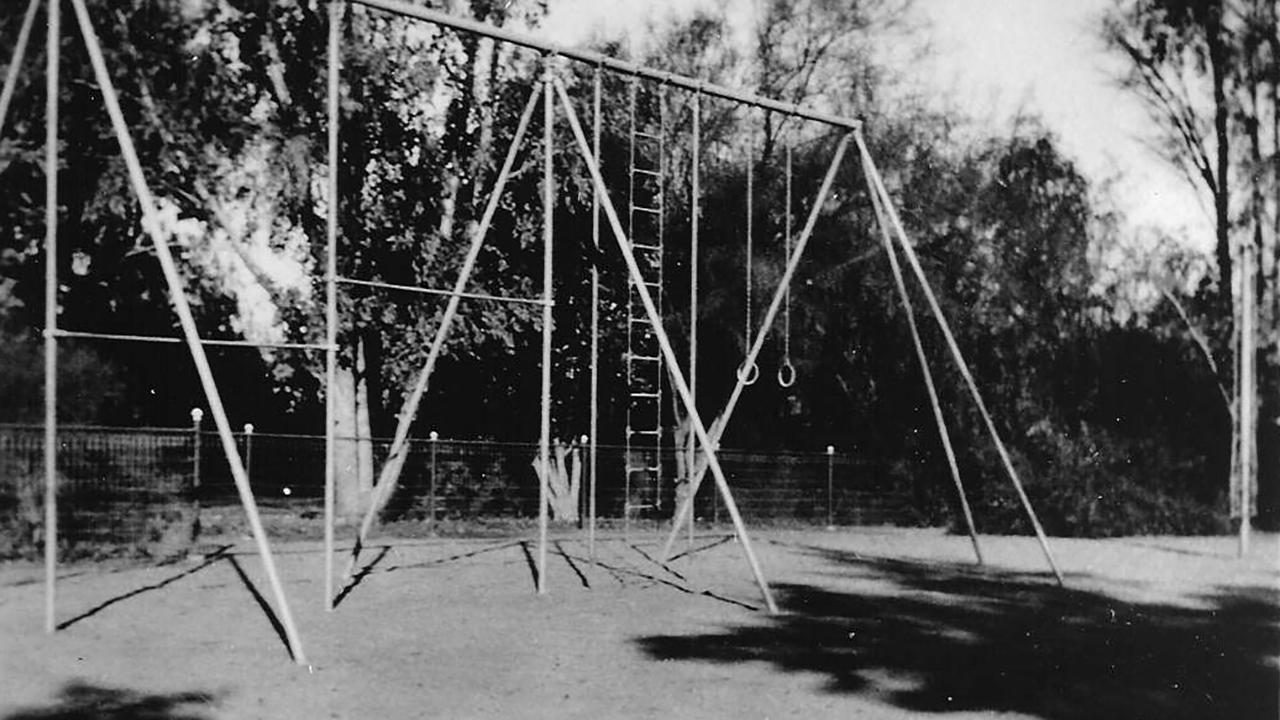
628	359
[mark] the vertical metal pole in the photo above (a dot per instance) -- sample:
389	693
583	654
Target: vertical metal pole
695	210
593	460
434	437
53	37
831	505
196	416
331	296
1248	433
548	210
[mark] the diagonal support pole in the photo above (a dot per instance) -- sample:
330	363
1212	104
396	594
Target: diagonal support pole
886	237
15	64
183	309
686	508
877	184
682	387
399	444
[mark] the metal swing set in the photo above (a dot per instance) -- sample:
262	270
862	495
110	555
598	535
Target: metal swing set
549	91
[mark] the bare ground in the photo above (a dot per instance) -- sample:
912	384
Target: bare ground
876	623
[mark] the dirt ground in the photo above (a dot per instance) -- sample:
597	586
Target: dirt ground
876	623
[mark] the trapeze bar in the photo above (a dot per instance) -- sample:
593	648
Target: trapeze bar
442	293
613	64
176	340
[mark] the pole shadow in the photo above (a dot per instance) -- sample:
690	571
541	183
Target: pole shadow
262	603
210	559
582	578
360	576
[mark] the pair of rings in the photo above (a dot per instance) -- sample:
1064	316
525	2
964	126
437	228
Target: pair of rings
786	374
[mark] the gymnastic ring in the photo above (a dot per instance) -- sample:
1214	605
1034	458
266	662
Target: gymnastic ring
786	374
749	375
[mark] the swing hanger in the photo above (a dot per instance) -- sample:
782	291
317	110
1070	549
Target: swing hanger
787	371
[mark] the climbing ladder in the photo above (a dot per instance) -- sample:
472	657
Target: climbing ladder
645	368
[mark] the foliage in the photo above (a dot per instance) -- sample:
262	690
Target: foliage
227	100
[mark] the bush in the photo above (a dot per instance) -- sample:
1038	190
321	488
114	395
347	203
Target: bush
1091	484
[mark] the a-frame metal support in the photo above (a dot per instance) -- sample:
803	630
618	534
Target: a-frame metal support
181	306
673	363
779	295
876	185
944	435
399	444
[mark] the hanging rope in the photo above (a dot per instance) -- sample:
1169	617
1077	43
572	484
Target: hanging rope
787	371
749	374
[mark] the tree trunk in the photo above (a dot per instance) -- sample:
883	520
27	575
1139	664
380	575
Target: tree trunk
1266	218
564	482
1221	118
353	446
457	113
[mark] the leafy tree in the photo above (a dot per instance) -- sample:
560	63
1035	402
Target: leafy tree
1202	65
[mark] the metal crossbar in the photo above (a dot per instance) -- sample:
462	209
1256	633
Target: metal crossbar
123	337
605	62
439	293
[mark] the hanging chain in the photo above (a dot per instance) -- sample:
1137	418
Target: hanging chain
786	308
787	371
749	374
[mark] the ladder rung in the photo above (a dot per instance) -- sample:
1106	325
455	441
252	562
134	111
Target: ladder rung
647	358
643	432
643	246
645	395
646	171
646	209
647	135
633	466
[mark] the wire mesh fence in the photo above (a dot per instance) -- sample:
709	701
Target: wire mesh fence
117	488
144	486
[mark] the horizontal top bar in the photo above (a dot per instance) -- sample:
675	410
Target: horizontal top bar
406	9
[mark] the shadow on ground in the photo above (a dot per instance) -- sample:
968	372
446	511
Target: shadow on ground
947	637
82	701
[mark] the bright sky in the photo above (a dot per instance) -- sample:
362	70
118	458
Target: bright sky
994	58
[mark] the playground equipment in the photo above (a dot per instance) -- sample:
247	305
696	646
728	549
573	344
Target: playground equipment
174	284
639	239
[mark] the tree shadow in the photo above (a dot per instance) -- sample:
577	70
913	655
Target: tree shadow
81	701
950	637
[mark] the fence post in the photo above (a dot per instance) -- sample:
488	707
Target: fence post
831	508
196	416
248	450
434	437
